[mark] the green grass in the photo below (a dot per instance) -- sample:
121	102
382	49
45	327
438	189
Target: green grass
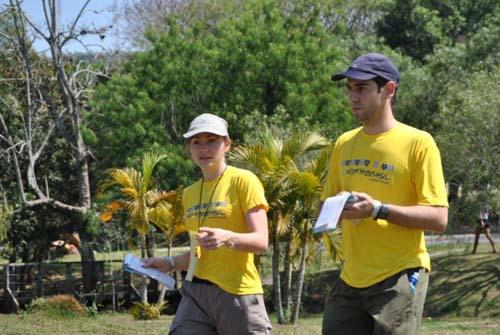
124	324
463	299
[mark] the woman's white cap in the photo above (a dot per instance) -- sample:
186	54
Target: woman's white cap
207	123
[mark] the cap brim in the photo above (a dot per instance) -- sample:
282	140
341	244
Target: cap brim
201	130
354	74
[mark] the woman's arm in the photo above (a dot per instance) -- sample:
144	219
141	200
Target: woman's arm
256	240
181	263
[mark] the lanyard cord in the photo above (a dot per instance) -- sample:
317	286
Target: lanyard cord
202	220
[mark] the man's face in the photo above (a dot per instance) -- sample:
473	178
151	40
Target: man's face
366	99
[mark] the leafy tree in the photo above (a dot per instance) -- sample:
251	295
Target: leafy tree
267	56
43	102
417	27
469	140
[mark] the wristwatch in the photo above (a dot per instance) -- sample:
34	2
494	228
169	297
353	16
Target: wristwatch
383	212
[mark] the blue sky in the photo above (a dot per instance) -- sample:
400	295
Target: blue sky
98	14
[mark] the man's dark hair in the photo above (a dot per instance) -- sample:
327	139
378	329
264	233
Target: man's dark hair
381	83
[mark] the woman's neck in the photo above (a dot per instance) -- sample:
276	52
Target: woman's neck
213	172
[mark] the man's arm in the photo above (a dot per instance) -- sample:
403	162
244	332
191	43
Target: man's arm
431	218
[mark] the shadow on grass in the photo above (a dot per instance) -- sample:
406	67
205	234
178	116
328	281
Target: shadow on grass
465	286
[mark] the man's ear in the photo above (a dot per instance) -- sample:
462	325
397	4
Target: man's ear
390	89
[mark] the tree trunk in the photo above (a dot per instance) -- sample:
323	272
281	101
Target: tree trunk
150	244
299	283
144	282
276	273
287	297
88	259
163	291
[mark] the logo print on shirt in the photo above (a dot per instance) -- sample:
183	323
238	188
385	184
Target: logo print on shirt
379	172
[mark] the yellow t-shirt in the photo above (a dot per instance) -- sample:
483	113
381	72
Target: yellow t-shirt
234	194
402	167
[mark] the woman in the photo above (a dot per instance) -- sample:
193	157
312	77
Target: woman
484	224
225	213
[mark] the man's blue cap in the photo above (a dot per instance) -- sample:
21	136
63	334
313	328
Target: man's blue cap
369	66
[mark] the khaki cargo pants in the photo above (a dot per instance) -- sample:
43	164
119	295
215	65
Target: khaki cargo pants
389	307
205	309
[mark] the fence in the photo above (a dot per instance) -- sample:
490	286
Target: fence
20	283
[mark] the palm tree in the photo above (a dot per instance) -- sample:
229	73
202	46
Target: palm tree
306	185
275	160
135	189
167	214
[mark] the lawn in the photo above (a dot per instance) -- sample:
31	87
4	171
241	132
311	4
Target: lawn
463	299
123	324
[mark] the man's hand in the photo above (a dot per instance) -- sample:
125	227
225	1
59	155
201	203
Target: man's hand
360	209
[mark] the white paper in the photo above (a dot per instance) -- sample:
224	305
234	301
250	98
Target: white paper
330	213
193	257
133	264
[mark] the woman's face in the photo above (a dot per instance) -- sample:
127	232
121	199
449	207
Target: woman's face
208	150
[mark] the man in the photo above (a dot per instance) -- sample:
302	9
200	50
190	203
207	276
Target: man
395	172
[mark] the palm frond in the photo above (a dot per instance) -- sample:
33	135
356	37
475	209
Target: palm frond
149	161
305	184
301	143
117	177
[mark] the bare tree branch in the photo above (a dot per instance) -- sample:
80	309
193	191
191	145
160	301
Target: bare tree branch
43	109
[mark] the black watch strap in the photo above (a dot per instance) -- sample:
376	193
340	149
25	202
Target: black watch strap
383	212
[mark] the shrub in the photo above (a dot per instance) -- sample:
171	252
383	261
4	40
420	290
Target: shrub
146	311
62	305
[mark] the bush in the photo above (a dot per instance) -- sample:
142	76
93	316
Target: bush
62	305
146	311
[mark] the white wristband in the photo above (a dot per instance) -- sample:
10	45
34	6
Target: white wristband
376	207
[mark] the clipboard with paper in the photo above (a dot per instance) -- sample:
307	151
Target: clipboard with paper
330	212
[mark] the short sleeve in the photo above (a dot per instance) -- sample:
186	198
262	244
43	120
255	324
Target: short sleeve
251	192
428	174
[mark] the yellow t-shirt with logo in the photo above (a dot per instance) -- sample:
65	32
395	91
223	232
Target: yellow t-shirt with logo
402	167
225	203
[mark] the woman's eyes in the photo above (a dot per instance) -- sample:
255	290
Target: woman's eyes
207	141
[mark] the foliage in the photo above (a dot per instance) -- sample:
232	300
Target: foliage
147	311
290	170
264	57
469	140
58	306
144	204
6	213
417	27
135	189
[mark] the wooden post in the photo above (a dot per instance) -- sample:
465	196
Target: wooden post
6	280
12	304
69	278
39	279
128	287
99	269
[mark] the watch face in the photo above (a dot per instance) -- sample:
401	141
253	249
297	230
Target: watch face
383	213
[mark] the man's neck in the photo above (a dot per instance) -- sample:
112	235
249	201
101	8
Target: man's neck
384	122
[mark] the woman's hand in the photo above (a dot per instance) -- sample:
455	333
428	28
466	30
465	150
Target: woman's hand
159	263
212	238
